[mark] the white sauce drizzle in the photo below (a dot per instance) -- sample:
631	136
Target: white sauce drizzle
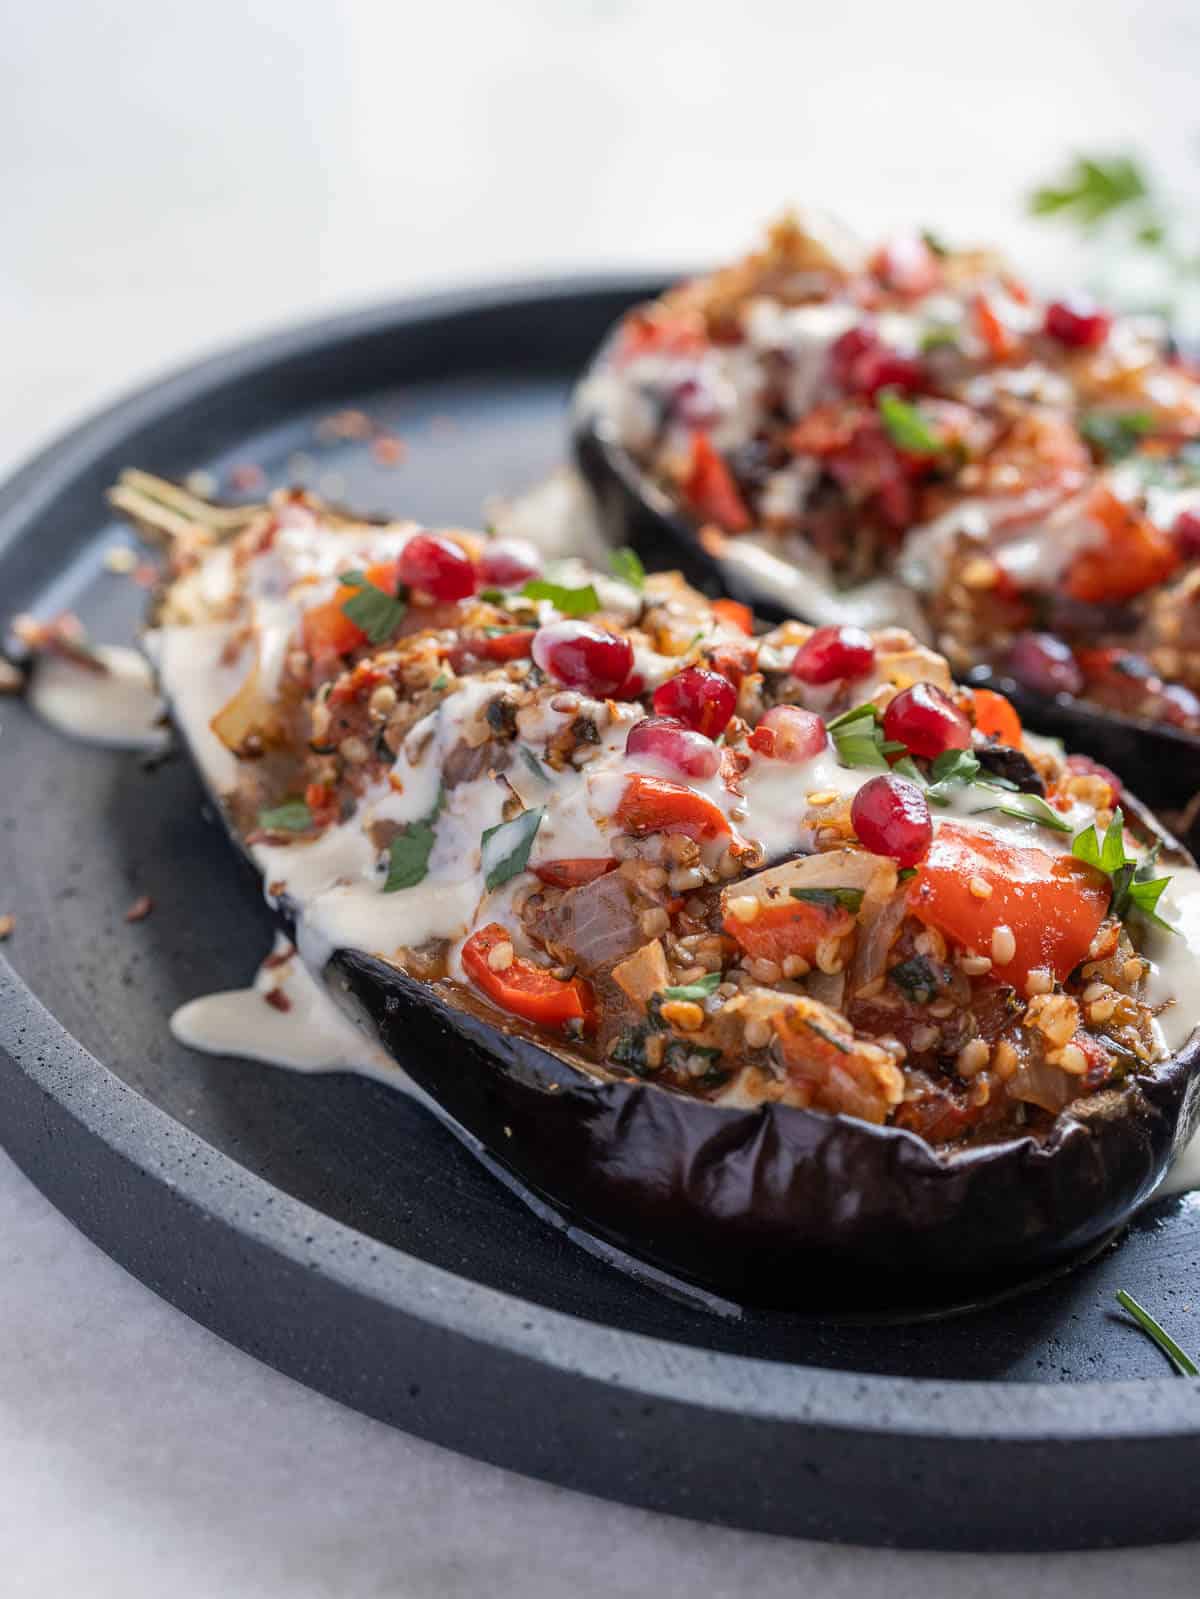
119	708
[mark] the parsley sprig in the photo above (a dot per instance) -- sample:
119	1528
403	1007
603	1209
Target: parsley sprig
1133	886
505	848
1030	808
627	565
293	816
580	601
697	991
858	737
907	427
410	849
1113	435
848	899
378	613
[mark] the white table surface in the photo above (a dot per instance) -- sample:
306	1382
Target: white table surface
174	177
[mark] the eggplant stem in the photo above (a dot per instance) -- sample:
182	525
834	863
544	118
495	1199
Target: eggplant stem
165	510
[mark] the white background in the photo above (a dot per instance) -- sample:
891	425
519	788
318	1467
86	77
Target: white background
173	176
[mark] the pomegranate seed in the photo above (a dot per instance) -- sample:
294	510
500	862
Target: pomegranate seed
834	652
1084	764
700	699
927	721
1186	533
860	363
786	733
583	656
437	567
677	746
891	817
1043	663
507	563
1077	322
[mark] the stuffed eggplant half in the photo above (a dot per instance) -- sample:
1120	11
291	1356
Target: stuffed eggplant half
817	421
780	961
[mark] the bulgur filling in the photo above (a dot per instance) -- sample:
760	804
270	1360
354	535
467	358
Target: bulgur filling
1033	467
801	866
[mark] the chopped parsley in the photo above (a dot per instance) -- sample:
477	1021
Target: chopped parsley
823	1032
293	816
410	849
442	680
1183	1363
1133	886
907	427
1092	190
847	899
378	613
493	596
1034	809
917	978
627	565
905	872
858	737
571	602
505	847
699	990
1115	434
951	769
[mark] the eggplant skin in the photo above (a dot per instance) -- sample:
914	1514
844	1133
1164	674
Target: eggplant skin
774	1206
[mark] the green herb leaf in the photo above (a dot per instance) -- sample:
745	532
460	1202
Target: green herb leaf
627	565
907	428
441	681
505	847
1115	434
917	978
410	849
1183	1363
534	765
293	816
1094	188
858	714
1034	809
823	1032
849	899
938	336
571	602
905	872
493	596
699	990
951	769
934	243
1133	889
858	738
907	767
378	613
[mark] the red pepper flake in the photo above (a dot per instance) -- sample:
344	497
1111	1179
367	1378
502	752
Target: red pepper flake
277	999
7	923
246	477
140	909
146	575
388	450
345	425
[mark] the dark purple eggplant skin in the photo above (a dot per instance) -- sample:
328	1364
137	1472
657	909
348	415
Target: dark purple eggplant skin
775	1206
1162	763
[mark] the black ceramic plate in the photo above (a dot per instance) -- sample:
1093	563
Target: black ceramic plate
331	1227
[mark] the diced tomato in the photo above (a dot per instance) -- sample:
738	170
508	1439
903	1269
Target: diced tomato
326	629
524	989
644	334
733	661
735	613
996	718
572	873
1133	556
322	803
793	927
710	490
510	646
1000	340
657	805
1052	905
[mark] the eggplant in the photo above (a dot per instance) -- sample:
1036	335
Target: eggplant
1162	762
771	1205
